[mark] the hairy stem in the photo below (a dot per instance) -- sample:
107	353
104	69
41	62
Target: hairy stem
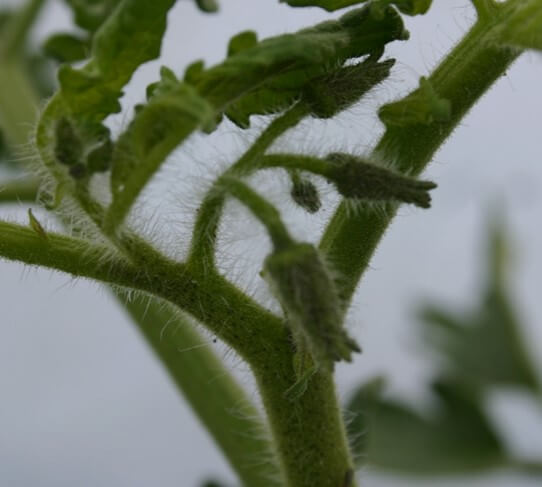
216	398
308	430
462	78
206	227
103	263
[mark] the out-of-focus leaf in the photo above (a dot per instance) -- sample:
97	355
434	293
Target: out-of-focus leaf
242	41
207	5
66	48
213	483
91	14
484	347
454	437
270	75
329	5
523	27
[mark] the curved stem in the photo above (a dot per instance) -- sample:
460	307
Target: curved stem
264	211
462	78
206	226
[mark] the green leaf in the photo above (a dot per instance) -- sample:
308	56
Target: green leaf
329	5
454	437
207	5
271	75
173	112
502	360
242	41
131	36
523	27
409	7
423	106
91	14
66	48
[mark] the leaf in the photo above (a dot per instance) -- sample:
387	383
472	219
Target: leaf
207	5
271	75
523	27
173	112
241	42
329	5
454	437
66	48
502	360
91	14
131	36
409	7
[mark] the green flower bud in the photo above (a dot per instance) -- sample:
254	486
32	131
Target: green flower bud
68	146
358	179
99	158
305	194
302	283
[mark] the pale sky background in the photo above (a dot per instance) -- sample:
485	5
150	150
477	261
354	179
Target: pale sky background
83	401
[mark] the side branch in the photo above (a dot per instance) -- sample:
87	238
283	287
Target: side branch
211	299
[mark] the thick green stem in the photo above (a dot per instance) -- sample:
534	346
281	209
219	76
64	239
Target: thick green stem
308	430
215	397
462	78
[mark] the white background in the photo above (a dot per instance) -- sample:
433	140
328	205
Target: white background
83	401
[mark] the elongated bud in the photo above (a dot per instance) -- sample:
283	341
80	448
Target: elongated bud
358	179
423	106
302	283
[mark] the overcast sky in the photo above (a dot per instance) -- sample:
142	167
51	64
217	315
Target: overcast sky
85	403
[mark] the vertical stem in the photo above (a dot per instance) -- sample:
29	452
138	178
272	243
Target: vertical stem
17	29
215	397
309	433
